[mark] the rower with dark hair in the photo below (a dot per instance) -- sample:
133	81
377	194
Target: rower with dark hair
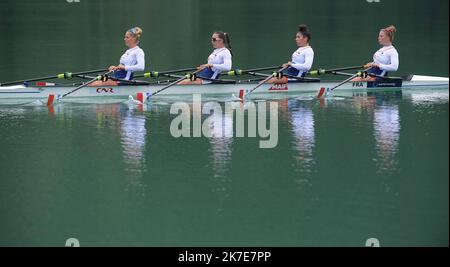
302	58
219	61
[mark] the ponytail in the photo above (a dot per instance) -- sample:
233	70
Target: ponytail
228	42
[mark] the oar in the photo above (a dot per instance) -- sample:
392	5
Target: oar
324	71
221	81
98	78
358	74
259	74
341	73
174	83
241	95
368	74
65	75
241	72
286	75
169	75
128	82
157	73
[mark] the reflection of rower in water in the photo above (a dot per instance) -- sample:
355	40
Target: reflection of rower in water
386	58
302	58
387	135
131	61
219	60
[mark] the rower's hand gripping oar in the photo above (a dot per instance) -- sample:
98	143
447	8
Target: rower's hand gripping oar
187	76
322	90
241	92
97	78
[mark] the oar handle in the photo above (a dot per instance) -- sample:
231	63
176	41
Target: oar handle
65	75
266	79
358	74
155	74
236	72
330	71
128	82
97	78
253	73
342	73
174	83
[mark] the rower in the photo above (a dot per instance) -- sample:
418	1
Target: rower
386	58
131	61
219	61
302	58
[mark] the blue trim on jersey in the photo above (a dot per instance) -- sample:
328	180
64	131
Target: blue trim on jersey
291	71
206	73
377	71
122	74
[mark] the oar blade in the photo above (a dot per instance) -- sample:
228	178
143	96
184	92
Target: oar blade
241	94
140	97
50	100
321	93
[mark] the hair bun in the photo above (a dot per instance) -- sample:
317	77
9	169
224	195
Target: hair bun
302	28
138	31
391	29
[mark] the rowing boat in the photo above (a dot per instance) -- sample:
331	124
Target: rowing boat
43	90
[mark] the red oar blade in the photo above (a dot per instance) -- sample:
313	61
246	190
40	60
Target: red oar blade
50	100
321	92
241	94
240	98
140	97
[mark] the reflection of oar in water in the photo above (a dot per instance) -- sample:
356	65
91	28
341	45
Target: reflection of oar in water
51	98
187	76
241	92
65	75
358	74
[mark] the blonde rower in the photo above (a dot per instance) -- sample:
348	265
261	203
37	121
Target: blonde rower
131	61
386	58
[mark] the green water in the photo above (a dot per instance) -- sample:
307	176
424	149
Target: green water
344	170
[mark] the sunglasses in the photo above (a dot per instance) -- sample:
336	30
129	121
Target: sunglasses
215	39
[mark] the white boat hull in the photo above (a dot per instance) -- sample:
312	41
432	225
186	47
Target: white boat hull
22	92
